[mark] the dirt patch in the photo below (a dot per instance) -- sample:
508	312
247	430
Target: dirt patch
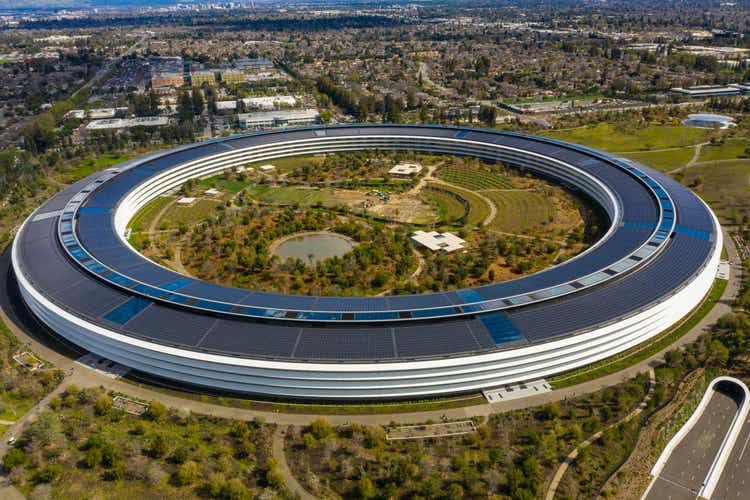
405	208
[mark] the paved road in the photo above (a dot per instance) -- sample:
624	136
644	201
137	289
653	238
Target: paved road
734	483
688	465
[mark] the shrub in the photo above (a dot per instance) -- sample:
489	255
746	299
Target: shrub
180	455
93	457
156	411
48	473
187	473
365	488
158	446
14	458
103	406
320	429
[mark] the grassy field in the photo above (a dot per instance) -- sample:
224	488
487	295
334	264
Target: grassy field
519	211
197	211
89	166
145	216
724	185
290	195
473	179
731	149
289	163
449	209
223	184
611	138
664	160
478	210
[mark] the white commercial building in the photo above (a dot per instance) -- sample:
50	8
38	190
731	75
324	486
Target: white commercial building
447	242
281	118
271	102
120	123
405	169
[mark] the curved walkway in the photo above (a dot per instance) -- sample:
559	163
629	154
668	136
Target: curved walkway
565	465
280	455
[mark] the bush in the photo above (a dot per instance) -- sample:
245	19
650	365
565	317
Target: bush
156	411
103	406
48	473
14	458
275	478
180	455
187	473
320	429
365	488
158	447
116	472
93	457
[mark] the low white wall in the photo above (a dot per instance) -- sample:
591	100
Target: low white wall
725	450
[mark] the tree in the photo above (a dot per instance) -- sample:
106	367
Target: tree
13	459
158	447
49	473
40	134
156	410
197	102
185	107
93	457
45	429
320	428
365	488
488	115
551	411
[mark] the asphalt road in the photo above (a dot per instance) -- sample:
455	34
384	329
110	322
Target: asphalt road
734	482
690	461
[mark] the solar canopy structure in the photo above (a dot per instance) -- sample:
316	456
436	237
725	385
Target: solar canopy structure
77	273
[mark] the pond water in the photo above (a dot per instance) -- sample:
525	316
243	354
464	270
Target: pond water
318	246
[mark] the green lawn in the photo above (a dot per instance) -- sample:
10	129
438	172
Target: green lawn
292	195
145	216
478	209
89	166
610	137
520	211
450	210
724	185
664	160
474	179
198	211
289	163
220	182
731	149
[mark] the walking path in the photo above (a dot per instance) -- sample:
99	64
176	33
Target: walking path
291	482
492	207
693	160
574	454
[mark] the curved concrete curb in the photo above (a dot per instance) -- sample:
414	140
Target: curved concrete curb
717	467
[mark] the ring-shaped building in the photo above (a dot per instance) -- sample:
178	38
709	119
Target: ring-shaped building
79	275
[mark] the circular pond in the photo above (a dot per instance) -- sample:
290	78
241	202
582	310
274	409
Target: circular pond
314	247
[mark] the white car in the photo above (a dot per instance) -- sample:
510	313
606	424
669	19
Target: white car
12	440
